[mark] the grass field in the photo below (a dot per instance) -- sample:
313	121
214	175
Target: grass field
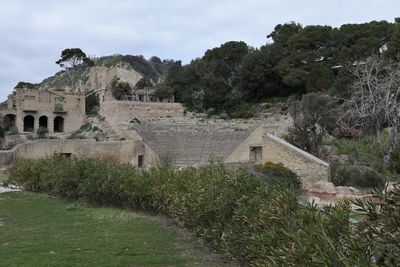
39	230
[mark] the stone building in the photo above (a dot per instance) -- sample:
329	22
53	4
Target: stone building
152	131
146	95
57	111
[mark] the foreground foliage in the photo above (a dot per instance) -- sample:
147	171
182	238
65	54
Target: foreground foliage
256	223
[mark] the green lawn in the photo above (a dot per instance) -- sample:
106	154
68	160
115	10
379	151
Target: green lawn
39	230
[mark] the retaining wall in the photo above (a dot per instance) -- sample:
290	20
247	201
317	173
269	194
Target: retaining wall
122	111
309	168
191	145
119	151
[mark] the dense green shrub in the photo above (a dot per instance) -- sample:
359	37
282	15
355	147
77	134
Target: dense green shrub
353	175
395	161
92	104
244	111
255	223
313	116
278	174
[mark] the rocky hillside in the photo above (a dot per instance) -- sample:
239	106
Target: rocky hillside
128	68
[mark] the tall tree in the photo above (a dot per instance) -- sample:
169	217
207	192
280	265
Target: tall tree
71	59
313	116
375	101
258	77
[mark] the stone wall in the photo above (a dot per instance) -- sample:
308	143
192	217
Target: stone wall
72	120
119	151
42	100
309	168
256	139
191	144
46	104
101	76
123	111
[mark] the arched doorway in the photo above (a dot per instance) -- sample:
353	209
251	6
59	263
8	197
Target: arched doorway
9	121
58	124
43	122
29	123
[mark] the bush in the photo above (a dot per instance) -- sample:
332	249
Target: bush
92	105
255	223
344	131
244	111
395	161
353	175
210	112
76	136
245	114
313	116
42	132
278	174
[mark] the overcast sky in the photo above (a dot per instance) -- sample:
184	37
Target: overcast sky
33	33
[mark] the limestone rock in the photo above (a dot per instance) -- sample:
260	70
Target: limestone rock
348	190
323	187
320	202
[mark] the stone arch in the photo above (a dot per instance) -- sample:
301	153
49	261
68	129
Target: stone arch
58	124
29	123
44	122
9	121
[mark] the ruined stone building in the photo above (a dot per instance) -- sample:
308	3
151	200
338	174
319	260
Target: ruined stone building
146	95
56	111
149	132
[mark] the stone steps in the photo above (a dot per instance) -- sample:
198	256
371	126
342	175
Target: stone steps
191	145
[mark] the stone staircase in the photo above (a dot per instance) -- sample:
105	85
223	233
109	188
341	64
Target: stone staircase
191	144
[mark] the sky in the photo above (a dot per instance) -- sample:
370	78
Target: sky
34	32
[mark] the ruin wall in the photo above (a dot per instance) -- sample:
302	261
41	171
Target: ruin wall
122	111
118	151
309	168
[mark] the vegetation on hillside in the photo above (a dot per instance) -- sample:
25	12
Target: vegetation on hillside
301	59
153	69
339	81
256	222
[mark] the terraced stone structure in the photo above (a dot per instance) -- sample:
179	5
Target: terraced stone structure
186	144
149	133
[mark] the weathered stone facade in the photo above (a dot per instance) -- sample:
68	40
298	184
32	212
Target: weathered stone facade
115	111
118	151
155	131
262	146
56	111
309	168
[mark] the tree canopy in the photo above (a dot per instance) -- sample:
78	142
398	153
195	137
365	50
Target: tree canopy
70	60
300	59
